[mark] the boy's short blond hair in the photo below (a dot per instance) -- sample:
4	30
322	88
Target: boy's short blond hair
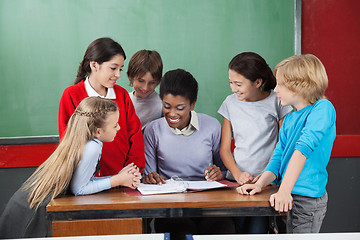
304	75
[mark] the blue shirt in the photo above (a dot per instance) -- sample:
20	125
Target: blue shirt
83	181
311	131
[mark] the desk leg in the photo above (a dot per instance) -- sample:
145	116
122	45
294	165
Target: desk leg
97	227
289	222
281	224
147	222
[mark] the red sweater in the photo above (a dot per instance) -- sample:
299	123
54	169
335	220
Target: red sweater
128	145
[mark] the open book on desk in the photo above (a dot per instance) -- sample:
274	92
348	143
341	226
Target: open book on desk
177	186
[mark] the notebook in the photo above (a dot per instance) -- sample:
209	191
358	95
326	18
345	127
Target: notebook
176	185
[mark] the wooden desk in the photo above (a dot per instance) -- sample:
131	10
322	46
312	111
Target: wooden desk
116	212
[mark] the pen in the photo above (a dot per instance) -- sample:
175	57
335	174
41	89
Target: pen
209	171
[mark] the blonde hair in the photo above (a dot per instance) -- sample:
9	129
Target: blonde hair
53	176
304	75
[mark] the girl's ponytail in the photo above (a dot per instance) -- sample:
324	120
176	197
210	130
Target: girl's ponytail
252	66
269	82
83	71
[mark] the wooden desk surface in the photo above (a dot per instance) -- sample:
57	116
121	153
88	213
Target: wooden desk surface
118	199
115	212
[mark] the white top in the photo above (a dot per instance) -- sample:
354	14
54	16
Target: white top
189	129
147	109
110	94
255	130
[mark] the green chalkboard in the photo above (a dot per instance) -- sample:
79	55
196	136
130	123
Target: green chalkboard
43	41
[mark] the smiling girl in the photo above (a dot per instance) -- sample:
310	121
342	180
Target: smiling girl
97	75
70	167
251	115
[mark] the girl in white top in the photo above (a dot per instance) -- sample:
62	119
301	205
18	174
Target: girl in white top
145	72
252	116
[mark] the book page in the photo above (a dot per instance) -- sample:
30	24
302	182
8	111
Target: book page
169	187
203	185
172	186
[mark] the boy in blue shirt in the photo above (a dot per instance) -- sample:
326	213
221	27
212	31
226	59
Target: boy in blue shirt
306	138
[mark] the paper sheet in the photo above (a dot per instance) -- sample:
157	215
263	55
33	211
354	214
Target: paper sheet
178	186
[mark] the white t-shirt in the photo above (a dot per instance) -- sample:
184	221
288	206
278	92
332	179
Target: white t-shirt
147	109
255	130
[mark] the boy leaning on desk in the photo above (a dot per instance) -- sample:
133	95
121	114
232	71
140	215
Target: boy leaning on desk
303	151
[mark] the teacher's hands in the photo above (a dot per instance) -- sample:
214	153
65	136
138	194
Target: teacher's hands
154	178
213	173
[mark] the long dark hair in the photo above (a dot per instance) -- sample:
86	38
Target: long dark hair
252	66
101	50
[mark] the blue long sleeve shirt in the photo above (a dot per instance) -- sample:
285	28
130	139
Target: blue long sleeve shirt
311	131
83	181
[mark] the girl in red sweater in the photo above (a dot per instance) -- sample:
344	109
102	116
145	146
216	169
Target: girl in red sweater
97	75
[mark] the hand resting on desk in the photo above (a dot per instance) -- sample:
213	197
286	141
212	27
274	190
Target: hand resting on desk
129	176
153	178
281	201
249	189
